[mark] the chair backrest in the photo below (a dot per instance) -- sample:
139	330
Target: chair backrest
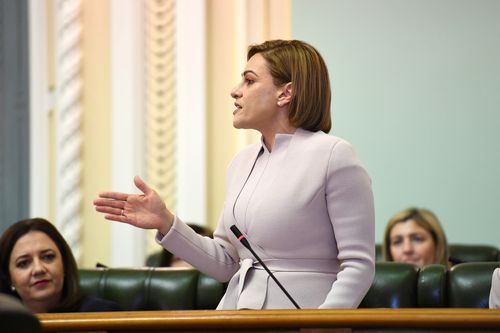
153	288
431	286
394	286
469	284
460	253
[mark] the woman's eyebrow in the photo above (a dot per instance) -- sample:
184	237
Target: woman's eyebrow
23	256
249	71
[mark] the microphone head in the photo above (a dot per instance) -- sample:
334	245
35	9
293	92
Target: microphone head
240	237
235	231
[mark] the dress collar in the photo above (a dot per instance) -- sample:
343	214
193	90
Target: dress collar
281	141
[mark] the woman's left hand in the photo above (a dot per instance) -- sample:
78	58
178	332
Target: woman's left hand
146	211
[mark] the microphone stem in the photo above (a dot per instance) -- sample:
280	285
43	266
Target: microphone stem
274	278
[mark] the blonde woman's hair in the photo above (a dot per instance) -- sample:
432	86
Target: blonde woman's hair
425	219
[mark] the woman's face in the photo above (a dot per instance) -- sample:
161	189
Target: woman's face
256	97
412	244
36	271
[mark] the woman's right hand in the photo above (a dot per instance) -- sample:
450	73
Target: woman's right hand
146	211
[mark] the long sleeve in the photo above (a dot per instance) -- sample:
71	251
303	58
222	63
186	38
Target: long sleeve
350	206
213	257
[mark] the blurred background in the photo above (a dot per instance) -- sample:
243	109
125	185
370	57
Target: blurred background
93	92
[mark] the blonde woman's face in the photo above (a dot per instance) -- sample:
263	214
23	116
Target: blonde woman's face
410	243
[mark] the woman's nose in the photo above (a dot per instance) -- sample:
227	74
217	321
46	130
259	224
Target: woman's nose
38	266
407	246
235	92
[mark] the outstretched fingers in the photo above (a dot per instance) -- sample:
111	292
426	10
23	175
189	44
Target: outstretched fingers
111	203
117	218
112	212
114	195
129	208
109	210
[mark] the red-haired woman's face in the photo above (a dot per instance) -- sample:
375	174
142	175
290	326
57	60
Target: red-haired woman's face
412	244
37	271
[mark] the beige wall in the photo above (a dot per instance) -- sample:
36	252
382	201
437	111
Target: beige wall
95	126
221	141
96	101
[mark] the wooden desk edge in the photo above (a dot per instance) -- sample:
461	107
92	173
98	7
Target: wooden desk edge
261	319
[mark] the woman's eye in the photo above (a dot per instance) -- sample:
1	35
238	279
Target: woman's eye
22	264
48	257
418	239
249	81
396	242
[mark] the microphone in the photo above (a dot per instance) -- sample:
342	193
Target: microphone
246	244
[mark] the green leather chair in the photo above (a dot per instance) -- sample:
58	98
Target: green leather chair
431	286
460	253
469	284
161	288
153	288
394	286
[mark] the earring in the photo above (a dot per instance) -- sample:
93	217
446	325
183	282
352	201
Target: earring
279	103
12	288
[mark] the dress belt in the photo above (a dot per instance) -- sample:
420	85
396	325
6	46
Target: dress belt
286	265
245	265
299	265
237	283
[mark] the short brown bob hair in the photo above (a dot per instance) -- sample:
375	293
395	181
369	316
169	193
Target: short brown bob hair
301	64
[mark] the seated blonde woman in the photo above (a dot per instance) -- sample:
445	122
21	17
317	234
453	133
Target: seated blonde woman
415	236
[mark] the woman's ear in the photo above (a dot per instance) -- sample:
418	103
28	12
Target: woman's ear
285	94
